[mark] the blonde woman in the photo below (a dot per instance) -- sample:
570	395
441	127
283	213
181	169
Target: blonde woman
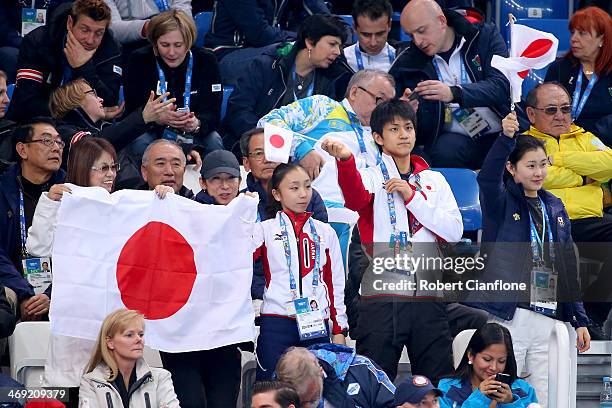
80	112
173	64
117	374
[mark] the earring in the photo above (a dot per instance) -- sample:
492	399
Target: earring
470	362
309	50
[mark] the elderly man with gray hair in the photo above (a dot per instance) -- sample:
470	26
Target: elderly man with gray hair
336	374
163	163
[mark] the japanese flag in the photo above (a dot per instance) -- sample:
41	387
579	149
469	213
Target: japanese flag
186	266
277	147
529	49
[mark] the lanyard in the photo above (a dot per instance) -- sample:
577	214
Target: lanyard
579	102
22	222
537	242
287	248
310	89
187	94
162	5
464	78
358	130
390	55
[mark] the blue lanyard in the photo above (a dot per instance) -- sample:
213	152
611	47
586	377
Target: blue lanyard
537	242
287	248
464	78
22	221
310	89
187	94
358	130
391	205
390	55
578	102
162	5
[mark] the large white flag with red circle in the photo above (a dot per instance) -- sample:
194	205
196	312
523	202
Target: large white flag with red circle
186	266
529	49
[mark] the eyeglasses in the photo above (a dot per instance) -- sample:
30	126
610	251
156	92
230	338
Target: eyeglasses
92	91
47	141
105	168
377	99
552	110
257	155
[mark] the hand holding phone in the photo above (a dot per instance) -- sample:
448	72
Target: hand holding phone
503	377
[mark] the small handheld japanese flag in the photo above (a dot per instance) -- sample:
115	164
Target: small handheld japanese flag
529	49
277	145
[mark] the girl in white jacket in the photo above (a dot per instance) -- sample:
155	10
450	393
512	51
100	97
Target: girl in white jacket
117	375
303	270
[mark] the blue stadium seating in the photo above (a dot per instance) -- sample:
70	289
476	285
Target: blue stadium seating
9	90
203	21
465	188
531	9
227	91
348	19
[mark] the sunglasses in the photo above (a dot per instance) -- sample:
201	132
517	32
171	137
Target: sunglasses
552	110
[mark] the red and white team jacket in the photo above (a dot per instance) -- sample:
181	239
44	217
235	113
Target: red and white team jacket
431	213
329	292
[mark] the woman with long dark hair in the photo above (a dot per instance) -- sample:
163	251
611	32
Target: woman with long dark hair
476	383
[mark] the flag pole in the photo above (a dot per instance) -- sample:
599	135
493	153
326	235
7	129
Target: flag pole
511	20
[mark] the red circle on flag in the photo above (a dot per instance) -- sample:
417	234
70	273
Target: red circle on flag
537	48
156	271
277	141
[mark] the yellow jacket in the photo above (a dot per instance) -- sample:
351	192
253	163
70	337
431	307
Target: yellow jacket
575	155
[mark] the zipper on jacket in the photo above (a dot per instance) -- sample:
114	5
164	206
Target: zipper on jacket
147	400
109	400
284	84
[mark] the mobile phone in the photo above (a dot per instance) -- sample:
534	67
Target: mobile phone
503	377
413	96
184	110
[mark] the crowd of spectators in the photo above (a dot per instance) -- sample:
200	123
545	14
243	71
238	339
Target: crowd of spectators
116	95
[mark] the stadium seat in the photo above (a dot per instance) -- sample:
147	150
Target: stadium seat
540	9
465	189
203	21
227	91
9	90
348	19
558	27
28	350
460	343
534	78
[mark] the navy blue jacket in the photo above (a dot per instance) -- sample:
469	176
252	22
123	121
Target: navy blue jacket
253	23
42	54
506	238
316	207
263	86
10	276
489	87
596	116
352	380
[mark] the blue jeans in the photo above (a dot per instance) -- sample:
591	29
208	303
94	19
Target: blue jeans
276	335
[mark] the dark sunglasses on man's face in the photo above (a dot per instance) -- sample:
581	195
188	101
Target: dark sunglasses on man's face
552	110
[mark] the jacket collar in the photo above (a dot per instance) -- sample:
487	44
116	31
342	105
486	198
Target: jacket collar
10	184
79	116
417	163
102	372
574	130
255	186
205	198
297	220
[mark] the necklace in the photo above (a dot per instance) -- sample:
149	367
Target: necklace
300	81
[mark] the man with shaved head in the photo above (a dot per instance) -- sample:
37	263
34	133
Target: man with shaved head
463	99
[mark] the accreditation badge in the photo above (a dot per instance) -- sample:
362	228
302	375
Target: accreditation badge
309	320
32	18
544	290
38	273
471	121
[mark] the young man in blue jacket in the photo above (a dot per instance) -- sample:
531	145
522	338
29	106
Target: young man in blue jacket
463	98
